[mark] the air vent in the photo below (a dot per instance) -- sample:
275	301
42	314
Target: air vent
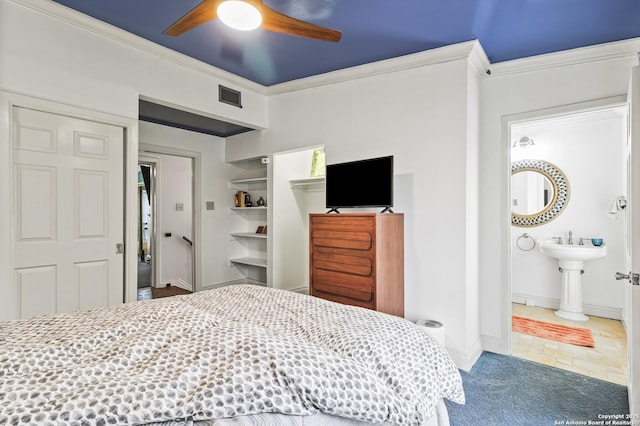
229	96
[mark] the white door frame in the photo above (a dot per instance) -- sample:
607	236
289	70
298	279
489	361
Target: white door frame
7	101
504	345
147	150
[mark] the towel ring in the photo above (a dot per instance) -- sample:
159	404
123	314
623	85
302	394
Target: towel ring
531	245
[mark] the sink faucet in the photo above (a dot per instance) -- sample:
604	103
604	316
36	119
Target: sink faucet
570	241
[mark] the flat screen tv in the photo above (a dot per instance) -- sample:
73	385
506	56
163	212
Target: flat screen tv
363	183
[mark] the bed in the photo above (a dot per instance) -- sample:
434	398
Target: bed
240	354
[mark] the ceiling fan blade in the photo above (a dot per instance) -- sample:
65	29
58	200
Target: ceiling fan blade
277	22
205	11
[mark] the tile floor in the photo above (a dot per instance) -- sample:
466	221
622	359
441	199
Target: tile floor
607	361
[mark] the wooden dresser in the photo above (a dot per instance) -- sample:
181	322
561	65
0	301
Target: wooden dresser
358	259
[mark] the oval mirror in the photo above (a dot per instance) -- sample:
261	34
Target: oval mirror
531	192
539	192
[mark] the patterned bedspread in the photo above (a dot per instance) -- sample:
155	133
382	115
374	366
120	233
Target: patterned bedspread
232	351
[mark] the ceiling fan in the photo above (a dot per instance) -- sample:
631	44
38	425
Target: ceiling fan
269	19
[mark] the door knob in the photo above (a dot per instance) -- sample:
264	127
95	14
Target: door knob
621	276
631	277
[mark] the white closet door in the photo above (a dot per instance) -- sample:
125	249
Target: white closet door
68	198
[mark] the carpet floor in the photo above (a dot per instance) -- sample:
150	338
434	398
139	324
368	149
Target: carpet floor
505	390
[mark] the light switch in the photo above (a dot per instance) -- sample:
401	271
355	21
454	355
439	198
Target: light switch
210	205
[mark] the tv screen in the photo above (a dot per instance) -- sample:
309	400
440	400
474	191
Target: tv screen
364	183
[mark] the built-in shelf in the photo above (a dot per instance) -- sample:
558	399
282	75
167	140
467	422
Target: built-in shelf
307	183
249	181
248	235
249	209
247	249
252	261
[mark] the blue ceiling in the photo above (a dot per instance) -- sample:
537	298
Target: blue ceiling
373	30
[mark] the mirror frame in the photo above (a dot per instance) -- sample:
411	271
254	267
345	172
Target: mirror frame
561	192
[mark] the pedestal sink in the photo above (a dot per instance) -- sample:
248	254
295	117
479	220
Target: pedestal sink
571	260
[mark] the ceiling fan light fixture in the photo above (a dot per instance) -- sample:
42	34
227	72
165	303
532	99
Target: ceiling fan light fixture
239	15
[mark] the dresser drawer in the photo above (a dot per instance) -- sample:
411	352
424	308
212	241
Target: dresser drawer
359	240
344	263
348	285
345	223
345	300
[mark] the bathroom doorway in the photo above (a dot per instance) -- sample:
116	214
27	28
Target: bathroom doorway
588	147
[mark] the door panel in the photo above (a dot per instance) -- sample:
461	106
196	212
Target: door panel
35	203
36	290
68	214
91	282
91	197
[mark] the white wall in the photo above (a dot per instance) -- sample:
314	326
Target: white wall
519	88
473	193
588	148
420	115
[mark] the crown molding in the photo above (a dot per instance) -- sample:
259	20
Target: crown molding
439	55
88	23
478	59
617	50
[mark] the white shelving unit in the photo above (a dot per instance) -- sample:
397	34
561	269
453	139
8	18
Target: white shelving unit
249	210
258	180
250	261
248	235
308	184
248	250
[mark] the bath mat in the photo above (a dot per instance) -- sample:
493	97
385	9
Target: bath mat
560	333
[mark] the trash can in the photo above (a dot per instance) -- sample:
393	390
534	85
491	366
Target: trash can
434	328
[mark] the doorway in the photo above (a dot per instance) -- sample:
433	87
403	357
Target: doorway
166	224
588	146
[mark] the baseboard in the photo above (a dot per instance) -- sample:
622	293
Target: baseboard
494	344
182	284
301	290
596	311
527	299
465	361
